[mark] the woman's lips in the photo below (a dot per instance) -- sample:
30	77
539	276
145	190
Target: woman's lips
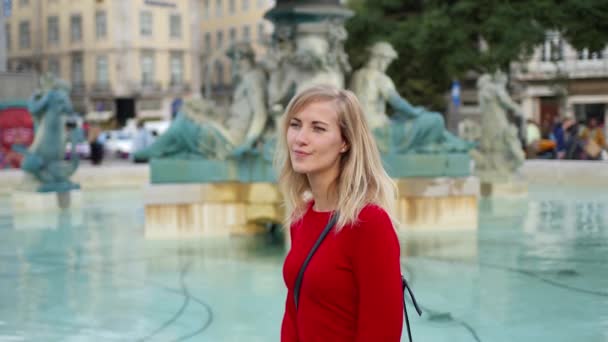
300	154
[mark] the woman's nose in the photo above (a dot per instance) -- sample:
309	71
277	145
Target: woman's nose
302	136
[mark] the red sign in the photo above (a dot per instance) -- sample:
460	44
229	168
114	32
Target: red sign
16	127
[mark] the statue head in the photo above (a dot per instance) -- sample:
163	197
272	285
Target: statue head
311	52
484	80
241	53
49	82
500	78
57	94
241	50
381	55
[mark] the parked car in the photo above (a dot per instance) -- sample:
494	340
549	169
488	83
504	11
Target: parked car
117	143
83	149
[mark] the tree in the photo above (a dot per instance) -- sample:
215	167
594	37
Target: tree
439	41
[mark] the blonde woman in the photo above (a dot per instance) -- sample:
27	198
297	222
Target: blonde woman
330	166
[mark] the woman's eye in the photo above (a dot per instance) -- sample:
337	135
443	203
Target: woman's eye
294	124
319	129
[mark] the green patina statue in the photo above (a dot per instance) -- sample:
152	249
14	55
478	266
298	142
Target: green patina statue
44	159
201	132
413	129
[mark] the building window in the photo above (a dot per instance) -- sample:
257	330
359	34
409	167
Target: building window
219	39
553	49
149	104
231	6
53	67
219	73
24	35
53	30
261	32
206	10
218	8
232	35
585	54
147	68
77	76
76	28
246	33
245	5
101	69
100	24
145	23
175	26
9	42
208	42
23	3
177	68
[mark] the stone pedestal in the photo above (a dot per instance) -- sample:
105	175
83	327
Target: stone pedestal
438	203
228	208
511	188
32	202
211	209
48	220
45	210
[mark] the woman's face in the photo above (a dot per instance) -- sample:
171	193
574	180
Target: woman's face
314	139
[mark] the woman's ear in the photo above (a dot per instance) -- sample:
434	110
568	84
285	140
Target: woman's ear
344	147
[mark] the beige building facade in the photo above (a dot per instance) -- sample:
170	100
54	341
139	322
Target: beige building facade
223	23
124	59
560	81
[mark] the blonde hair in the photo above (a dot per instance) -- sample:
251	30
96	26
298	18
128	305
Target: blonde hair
362	179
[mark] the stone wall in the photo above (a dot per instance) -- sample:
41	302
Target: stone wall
17	86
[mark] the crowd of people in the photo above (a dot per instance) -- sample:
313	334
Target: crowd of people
566	139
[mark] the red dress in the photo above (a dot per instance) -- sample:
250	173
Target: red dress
351	290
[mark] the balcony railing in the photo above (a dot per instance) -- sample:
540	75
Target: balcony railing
150	87
571	68
78	89
179	87
100	88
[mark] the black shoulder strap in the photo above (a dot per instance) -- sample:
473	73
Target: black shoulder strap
330	224
406	286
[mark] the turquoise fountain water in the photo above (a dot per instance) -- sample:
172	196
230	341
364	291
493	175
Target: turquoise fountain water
534	271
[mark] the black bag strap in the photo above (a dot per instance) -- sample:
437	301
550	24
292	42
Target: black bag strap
330	224
298	285
406	286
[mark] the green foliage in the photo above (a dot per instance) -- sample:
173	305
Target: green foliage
439	41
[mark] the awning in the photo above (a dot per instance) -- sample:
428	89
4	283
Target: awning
99	116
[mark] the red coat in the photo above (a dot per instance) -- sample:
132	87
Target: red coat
351	290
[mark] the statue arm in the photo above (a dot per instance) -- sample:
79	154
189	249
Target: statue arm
507	102
402	106
256	99
37	102
281	87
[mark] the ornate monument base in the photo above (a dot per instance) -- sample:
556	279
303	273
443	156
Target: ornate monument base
503	187
438	203
232	208
428	165
247	169
210	209
31	201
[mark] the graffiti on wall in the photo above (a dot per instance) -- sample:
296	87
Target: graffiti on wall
16	127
